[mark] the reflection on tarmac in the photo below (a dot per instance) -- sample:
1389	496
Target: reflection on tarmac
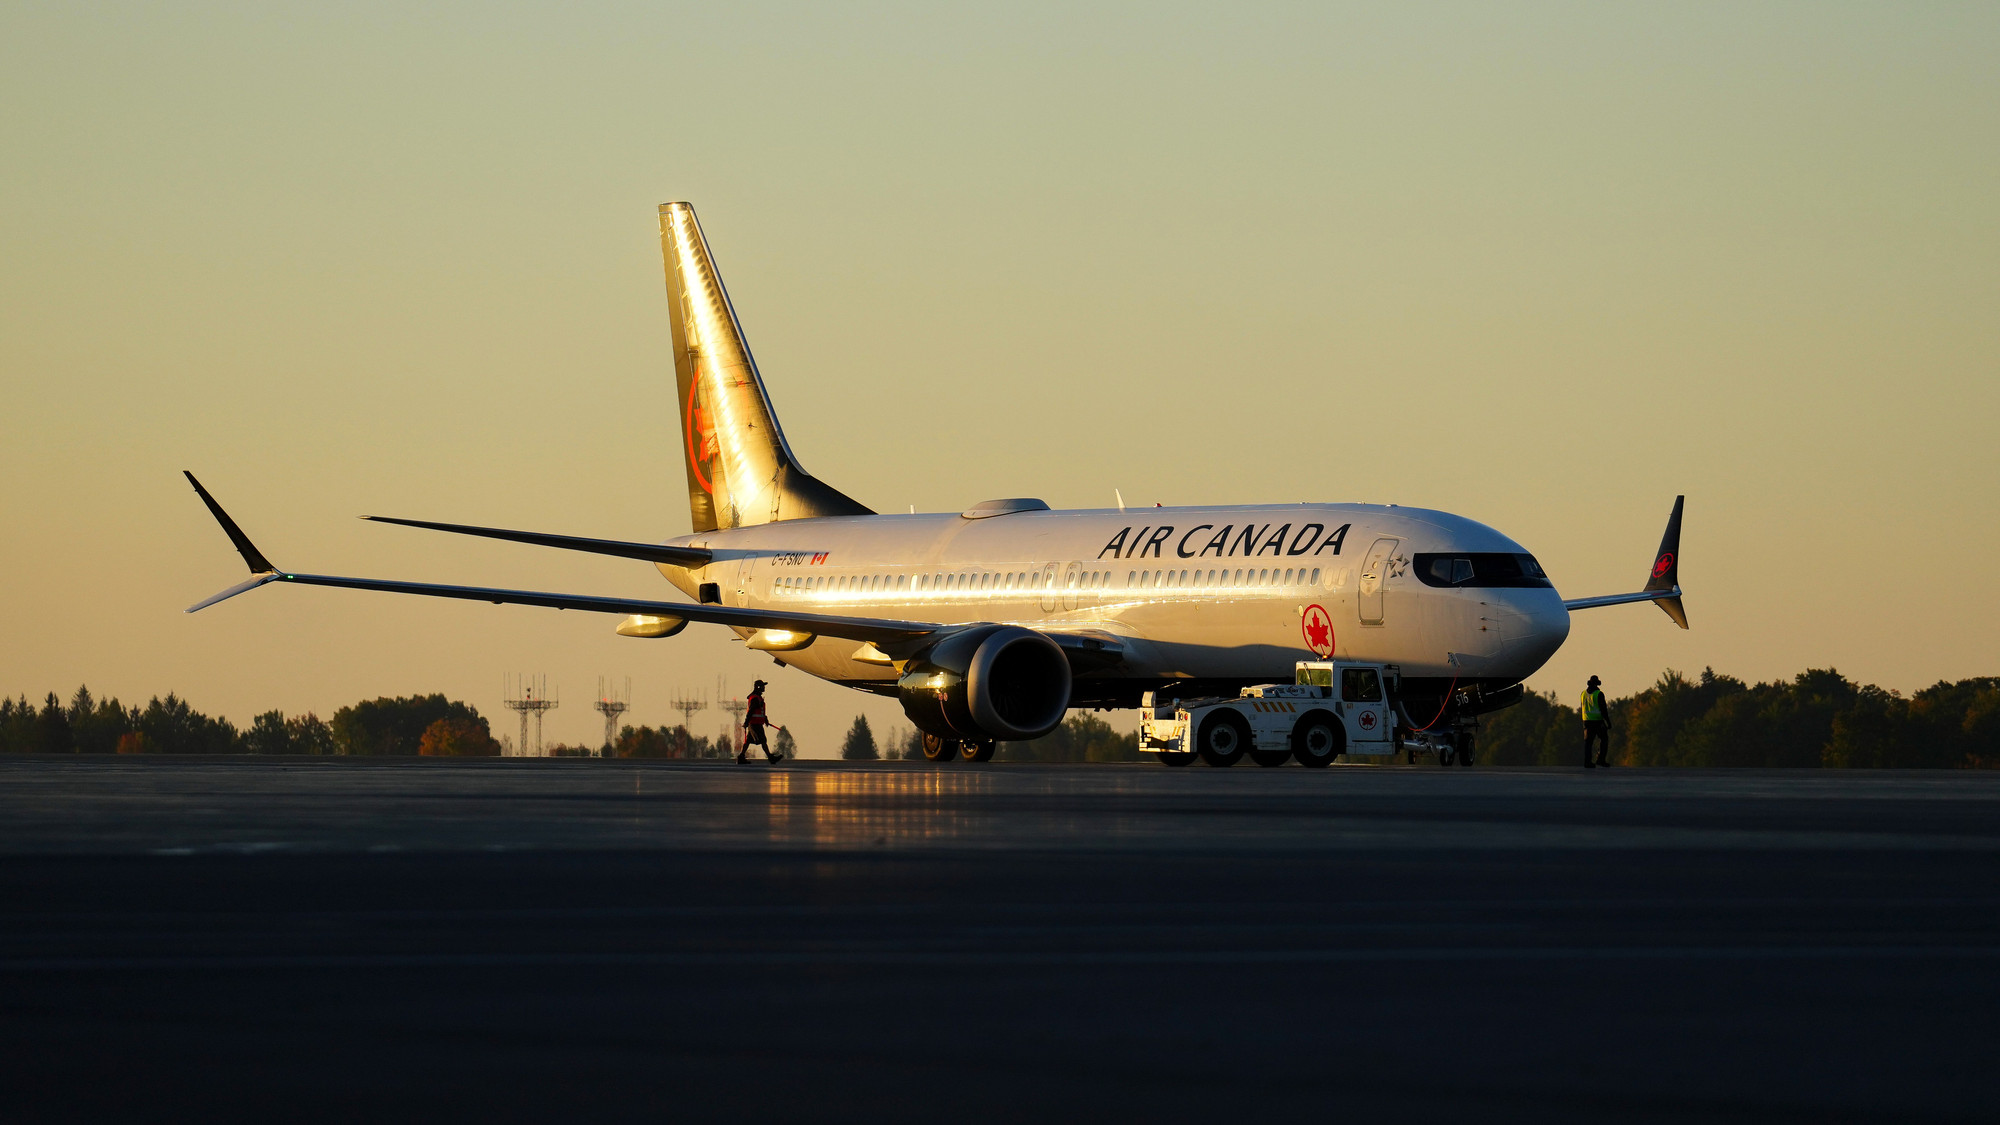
841	809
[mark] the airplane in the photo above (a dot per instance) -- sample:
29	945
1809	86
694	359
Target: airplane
989	624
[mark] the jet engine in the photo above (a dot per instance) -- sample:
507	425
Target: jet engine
986	684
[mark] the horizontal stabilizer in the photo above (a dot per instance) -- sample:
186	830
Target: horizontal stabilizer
1574	604
1663	582
690	557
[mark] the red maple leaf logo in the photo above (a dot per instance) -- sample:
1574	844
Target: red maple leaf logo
1318	630
702	442
1665	564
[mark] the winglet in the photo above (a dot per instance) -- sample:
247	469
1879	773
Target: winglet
241	587
251	555
1667	568
261	568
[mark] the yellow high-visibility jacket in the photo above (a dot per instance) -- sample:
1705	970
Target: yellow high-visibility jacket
1593	706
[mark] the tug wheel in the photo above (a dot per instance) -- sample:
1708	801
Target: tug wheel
1223	738
1318	739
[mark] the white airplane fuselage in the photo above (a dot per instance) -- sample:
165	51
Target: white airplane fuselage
1235	594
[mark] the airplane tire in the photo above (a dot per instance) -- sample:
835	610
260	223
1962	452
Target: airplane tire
1269	758
1318	740
1465	751
1223	738
976	751
940	750
1176	757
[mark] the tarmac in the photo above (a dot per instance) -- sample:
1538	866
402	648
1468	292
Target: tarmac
513	940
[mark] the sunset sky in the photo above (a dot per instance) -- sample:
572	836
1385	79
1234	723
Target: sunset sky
1542	265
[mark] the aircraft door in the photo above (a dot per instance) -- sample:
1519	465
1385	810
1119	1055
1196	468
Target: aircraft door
1364	707
1072	579
1375	568
1046	579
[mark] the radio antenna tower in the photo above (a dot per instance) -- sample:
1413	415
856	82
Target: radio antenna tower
735	707
612	704
529	695
687	705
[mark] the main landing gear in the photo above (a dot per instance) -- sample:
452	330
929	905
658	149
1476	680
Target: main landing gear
943	750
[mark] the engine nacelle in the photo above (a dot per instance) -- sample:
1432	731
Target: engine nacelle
986	684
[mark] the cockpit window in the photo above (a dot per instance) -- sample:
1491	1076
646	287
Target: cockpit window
1489	568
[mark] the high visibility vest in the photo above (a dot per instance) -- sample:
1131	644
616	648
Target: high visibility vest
1593	706
756	716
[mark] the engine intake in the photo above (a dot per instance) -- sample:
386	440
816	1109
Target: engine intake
986	684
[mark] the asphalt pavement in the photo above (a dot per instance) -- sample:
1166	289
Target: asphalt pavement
334	939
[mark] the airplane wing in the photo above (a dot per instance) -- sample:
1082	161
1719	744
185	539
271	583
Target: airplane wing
1663	585
263	572
690	557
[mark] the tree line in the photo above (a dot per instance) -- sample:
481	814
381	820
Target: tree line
1082	737
678	742
427	725
1818	718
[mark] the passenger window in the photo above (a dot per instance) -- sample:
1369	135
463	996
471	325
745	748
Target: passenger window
1360	685
1315	577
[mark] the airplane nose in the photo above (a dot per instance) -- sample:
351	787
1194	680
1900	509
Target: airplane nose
1539	627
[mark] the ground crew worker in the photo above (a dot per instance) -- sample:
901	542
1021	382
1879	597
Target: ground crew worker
754	722
1595	728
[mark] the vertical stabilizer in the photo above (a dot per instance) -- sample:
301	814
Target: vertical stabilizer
1666	574
739	469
